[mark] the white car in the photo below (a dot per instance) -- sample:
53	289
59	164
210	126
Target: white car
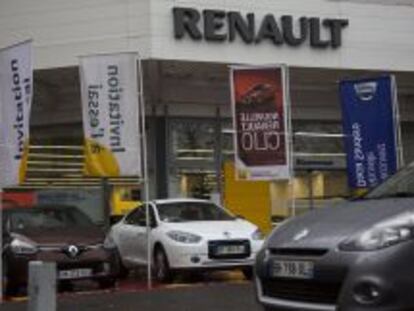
186	234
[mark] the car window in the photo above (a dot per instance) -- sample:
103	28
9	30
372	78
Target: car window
192	211
47	218
136	216
399	185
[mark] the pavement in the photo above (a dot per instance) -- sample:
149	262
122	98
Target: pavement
219	291
197	297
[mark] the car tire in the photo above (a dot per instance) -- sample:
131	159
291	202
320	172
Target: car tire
162	271
123	271
248	273
107	283
9	289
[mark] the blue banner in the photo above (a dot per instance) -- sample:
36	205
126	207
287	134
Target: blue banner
369	130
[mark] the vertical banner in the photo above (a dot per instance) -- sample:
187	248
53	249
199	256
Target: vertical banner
110	109
260	119
16	85
370	129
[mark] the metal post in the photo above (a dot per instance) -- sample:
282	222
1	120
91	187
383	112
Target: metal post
145	170
218	159
1	244
289	133
42	286
310	185
397	124
106	201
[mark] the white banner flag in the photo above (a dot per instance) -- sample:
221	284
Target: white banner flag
110	110
16	85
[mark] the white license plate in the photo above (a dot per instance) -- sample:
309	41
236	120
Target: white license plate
297	269
74	274
230	249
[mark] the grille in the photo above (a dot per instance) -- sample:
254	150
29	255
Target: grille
214	245
310	252
302	291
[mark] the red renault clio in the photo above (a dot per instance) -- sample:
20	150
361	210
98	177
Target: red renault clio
61	234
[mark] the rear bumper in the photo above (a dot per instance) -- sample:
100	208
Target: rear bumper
390	271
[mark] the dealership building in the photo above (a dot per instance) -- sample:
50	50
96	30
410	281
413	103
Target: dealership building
186	49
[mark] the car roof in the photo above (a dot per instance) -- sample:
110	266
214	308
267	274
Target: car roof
180	200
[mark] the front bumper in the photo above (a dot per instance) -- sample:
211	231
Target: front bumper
101	263
340	279
196	256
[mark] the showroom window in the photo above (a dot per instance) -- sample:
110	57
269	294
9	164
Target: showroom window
199	147
192	146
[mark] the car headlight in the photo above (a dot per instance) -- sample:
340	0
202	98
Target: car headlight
184	237
385	234
257	235
109	243
22	246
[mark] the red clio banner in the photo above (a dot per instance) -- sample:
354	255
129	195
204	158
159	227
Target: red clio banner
260	120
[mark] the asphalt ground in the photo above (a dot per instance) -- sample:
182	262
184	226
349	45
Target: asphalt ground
220	292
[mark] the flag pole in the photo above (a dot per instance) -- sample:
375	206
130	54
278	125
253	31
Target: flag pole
289	133
1	244
141	103
397	124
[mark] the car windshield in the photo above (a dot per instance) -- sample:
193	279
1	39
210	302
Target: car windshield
398	185
47	218
192	211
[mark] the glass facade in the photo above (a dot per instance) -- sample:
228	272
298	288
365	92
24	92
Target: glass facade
198	148
191	161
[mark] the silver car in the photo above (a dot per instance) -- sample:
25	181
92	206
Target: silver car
355	256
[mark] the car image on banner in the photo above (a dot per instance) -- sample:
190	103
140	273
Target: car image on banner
186	235
355	256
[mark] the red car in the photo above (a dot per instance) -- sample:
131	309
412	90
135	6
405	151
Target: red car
259	94
61	234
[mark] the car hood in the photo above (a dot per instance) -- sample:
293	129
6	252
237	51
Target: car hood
236	229
327	227
64	236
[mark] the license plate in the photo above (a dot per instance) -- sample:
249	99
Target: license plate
230	249
74	274
297	269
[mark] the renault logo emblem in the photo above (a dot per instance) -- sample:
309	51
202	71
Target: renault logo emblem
73	251
302	234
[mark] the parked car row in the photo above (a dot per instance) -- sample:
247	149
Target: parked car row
357	255
184	235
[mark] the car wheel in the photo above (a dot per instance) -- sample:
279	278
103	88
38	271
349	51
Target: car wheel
162	271
9	289
123	271
248	273
106	283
